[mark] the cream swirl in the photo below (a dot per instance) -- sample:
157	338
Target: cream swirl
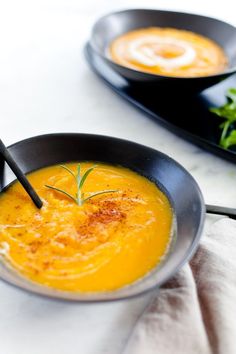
142	51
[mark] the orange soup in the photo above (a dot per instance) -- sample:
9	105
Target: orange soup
169	52
108	241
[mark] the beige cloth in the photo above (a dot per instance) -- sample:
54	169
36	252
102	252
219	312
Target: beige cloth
195	313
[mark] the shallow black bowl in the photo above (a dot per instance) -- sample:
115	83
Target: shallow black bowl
112	25
174	180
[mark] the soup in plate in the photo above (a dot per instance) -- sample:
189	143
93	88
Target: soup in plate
168	52
100	228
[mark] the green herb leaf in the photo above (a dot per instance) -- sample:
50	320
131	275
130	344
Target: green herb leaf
68	170
228	113
79	198
78	175
231	94
99	193
85	176
61	191
230	140
78	180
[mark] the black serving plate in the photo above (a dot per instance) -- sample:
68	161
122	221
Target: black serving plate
186	115
179	186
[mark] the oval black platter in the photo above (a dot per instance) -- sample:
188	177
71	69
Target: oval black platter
186	116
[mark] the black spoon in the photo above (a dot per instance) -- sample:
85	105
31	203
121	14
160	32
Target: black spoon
20	175
218	210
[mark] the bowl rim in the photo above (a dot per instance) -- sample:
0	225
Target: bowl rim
58	295
227	72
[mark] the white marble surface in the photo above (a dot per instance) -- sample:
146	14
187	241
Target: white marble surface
46	86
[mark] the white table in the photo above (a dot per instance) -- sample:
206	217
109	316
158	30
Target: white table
46	86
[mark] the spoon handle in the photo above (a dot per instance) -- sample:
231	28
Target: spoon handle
20	175
214	209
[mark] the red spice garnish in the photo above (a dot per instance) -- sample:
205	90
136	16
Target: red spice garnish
108	212
34	245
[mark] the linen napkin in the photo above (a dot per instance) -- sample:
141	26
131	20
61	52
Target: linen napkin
195	312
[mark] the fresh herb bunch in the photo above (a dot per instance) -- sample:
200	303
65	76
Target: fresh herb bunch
79	197
228	113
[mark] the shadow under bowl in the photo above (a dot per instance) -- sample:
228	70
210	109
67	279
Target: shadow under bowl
109	27
179	186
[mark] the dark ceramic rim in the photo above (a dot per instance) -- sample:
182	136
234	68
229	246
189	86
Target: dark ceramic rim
153	76
58	295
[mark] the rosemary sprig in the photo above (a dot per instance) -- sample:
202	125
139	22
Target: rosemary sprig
79	197
228	113
61	191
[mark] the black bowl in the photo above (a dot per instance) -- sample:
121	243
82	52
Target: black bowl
179	186
107	28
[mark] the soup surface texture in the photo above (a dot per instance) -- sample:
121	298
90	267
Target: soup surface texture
110	241
169	52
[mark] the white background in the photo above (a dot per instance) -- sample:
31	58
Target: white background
46	86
